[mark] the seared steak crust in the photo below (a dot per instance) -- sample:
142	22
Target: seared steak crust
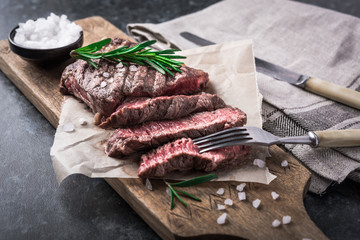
153	134
183	155
138	110
103	89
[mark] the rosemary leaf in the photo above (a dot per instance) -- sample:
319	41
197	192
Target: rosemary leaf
171	199
194	181
189	195
94	47
177	195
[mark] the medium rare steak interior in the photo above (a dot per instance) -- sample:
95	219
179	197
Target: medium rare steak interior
183	154
105	88
138	110
153	134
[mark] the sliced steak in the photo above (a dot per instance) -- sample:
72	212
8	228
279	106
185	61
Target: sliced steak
103	89
153	134
138	110
183	154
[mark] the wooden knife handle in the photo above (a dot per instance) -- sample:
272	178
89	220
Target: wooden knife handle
339	138
333	91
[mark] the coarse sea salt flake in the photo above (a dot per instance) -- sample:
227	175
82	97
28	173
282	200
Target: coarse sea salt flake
240	187
260	163
82	121
119	65
284	163
222	219
110	80
228	202
133	68
242	196
220	191
103	84
221	207
276	223
148	184
286	219
256	203
69	127
168	191
106	74
274	195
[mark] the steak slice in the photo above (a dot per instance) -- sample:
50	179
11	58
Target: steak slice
103	89
138	110
183	154
153	134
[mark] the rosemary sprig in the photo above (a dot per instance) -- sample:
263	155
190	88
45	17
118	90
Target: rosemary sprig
187	183
163	61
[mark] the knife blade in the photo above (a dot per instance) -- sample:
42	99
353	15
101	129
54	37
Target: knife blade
315	85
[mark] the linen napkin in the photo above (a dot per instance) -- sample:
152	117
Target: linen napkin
303	38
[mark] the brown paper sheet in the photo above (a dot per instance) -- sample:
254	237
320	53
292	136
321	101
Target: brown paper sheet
232	75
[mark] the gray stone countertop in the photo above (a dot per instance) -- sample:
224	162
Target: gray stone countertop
33	206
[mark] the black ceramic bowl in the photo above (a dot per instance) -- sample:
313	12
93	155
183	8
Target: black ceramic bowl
43	56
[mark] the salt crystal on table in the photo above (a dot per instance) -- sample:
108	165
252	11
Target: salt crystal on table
284	163
69	127
220	191
82	121
256	203
286	219
133	68
240	187
274	195
221	207
228	202
222	219
106	74
103	84
242	196
148	184
260	163
276	223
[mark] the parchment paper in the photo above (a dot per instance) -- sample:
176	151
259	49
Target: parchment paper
232	75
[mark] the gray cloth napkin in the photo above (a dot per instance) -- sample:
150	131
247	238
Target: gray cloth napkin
300	37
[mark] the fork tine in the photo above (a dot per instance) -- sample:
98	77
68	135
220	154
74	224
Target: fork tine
215	142
227	144
235	129
222	136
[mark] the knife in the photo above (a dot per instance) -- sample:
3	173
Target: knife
315	85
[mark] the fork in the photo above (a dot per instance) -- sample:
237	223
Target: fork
256	136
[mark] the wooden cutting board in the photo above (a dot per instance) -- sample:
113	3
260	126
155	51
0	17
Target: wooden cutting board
198	220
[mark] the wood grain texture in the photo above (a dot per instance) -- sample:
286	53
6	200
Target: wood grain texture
198	220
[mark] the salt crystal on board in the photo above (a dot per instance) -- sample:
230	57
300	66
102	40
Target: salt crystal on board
220	191
274	195
286	219
284	163
276	223
242	196
256	203
222	219
228	202
148	184
221	207
168	191
69	127
240	187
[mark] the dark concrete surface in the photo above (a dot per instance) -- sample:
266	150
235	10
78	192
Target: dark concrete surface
33	206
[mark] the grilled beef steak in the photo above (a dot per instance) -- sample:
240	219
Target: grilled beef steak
138	110
104	89
183	154
153	134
